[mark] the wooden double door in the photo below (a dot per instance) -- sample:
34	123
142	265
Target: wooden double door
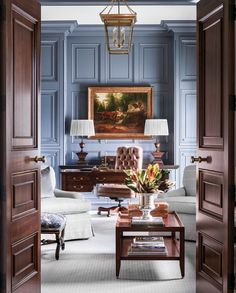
19	144
215	172
19	137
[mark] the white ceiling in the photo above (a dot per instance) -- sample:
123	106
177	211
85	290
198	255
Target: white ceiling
145	14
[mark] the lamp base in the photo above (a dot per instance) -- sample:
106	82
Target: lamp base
158	158
81	156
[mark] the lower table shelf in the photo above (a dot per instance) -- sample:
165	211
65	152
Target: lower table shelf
172	246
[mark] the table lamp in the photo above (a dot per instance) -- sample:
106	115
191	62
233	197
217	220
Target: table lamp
156	128
82	128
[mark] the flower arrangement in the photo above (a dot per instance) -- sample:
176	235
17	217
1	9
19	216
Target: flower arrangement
151	180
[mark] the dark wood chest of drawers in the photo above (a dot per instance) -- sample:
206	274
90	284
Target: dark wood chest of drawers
77	180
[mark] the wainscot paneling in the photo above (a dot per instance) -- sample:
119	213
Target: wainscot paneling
188	117
150	63
120	67
154	67
75	57
53	159
85	63
52	97
50	118
184	99
49	53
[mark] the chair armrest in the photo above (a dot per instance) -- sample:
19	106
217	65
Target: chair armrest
68	194
172	193
176	192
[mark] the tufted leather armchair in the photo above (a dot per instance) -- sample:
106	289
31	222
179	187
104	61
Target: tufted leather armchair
126	158
129	158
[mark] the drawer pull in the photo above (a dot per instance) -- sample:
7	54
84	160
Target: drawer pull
78	187
101	180
77	179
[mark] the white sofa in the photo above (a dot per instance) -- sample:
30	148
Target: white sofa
72	205
183	201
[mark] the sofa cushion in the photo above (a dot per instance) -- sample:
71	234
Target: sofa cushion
65	206
48	182
182	204
189	180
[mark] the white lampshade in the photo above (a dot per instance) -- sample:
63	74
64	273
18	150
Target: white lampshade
82	128
156	127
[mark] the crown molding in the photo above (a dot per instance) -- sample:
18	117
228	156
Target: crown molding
102	2
65	27
179	26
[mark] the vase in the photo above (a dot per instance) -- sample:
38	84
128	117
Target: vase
146	204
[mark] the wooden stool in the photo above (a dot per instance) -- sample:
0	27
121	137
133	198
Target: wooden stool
54	224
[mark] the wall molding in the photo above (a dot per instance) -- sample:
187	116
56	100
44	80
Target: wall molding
102	2
58	27
179	26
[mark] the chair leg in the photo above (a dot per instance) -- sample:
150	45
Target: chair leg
58	246
62	239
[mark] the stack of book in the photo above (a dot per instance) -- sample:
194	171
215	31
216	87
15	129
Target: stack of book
150	221
146	245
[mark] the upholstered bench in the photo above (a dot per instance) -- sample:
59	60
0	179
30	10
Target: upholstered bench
54	224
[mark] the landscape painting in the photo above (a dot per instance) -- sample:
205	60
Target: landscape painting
119	112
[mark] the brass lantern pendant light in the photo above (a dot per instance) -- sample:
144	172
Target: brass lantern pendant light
119	22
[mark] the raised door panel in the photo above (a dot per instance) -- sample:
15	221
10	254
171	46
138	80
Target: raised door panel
24	82
24	260
211	130
24	194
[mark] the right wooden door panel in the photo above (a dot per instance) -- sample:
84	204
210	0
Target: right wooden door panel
215	133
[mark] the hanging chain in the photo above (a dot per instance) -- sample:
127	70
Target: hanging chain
113	2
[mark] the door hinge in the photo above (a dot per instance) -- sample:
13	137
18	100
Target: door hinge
233	102
2	193
2	12
2	103
2	282
231	281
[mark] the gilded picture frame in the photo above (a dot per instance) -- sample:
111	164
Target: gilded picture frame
120	112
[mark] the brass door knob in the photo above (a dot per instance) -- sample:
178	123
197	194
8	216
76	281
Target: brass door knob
40	159
198	159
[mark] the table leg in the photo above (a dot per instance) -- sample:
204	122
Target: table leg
118	251
173	235
182	256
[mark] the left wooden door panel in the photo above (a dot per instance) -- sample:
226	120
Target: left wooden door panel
20	50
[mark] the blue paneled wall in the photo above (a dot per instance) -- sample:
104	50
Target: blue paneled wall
89	64
73	60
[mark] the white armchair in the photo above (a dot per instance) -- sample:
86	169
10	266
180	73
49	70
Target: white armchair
73	205
183	201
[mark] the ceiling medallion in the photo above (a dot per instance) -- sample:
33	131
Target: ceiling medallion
119	20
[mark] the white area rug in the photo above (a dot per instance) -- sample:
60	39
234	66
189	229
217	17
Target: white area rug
88	266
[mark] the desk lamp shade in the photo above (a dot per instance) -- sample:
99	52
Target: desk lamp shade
82	128
155	128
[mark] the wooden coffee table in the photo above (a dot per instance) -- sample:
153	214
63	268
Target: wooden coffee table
175	247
